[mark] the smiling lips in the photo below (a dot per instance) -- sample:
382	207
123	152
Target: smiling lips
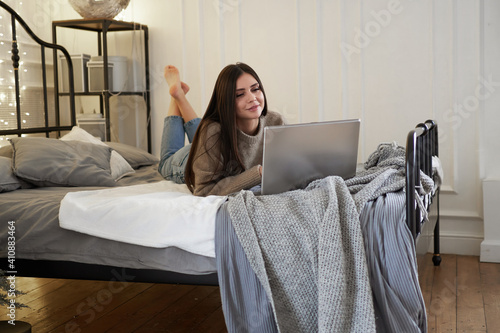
254	107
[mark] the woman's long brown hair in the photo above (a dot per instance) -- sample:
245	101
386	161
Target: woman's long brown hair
222	109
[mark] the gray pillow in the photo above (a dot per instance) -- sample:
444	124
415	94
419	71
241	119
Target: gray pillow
119	166
6	151
8	182
52	162
136	157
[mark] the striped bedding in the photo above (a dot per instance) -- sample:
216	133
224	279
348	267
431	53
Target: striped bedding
390	255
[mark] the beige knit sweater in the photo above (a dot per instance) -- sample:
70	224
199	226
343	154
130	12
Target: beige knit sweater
208	160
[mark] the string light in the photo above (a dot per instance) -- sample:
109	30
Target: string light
28	74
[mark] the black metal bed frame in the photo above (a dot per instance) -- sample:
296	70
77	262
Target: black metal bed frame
422	144
16	58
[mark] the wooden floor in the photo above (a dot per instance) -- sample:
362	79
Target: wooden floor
462	295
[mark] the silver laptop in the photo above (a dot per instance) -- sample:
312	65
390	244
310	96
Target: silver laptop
295	155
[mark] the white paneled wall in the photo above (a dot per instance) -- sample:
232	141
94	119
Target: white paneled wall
392	63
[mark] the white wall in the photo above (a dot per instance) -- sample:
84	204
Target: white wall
391	63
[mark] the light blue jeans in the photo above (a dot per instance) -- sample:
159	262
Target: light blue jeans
174	153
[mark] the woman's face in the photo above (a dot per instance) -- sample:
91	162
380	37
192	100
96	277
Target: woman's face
249	98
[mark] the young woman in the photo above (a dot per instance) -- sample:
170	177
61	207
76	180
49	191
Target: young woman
225	150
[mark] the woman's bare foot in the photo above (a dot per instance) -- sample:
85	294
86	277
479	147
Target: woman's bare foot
184	87
172	76
179	105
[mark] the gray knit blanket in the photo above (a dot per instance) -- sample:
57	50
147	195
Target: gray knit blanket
306	246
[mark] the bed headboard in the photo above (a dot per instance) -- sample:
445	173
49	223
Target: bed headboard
49	114
421	145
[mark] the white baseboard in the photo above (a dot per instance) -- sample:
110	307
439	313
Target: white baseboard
464	245
460	234
490	251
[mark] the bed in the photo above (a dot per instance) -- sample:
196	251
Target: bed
339	255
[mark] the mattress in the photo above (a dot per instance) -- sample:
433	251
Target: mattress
39	236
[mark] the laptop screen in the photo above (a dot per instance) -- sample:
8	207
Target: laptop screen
295	155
